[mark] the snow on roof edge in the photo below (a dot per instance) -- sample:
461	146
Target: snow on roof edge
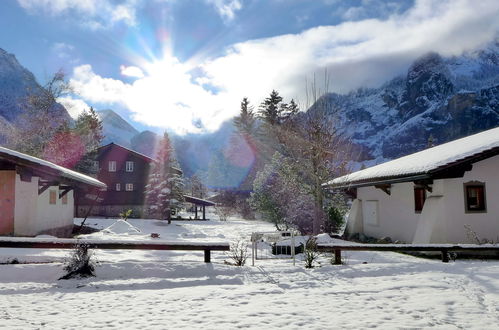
424	161
65	172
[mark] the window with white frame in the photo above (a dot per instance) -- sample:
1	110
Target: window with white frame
112	166
129	187
129	166
118	187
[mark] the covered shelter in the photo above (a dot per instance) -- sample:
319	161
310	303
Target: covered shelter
199	202
37	196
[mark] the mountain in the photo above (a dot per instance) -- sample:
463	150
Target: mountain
116	129
16	85
145	142
439	99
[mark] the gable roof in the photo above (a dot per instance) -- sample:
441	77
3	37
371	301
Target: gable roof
45	167
442	161
138	154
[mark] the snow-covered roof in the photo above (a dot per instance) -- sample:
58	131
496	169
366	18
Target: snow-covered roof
47	166
198	201
427	162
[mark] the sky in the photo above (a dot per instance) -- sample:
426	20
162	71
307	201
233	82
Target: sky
185	65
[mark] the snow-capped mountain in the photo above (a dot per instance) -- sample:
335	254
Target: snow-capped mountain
116	129
445	98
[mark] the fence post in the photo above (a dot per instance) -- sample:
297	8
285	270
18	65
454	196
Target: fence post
445	256
337	256
207	255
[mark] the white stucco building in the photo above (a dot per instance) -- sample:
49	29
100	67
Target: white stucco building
36	196
433	196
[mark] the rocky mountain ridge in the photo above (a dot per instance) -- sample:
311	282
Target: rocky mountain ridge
445	98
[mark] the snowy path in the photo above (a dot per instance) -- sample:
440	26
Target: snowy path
174	290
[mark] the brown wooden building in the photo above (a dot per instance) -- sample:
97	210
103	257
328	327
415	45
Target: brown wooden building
125	172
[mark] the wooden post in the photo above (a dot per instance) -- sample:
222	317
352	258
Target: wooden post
196	212
204	212
445	256
207	255
337	257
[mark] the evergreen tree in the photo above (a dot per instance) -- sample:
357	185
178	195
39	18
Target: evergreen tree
88	127
270	109
245	122
164	191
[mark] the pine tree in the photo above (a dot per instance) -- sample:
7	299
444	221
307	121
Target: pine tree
245	122
164	191
270	109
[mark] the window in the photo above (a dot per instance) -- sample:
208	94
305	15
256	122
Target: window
129	166
52	197
65	199
474	197
118	187
129	187
112	166
419	199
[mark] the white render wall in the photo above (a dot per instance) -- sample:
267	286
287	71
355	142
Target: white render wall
53	216
396	216
25	208
443	217
34	214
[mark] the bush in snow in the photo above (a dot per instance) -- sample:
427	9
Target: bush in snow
125	214
81	262
473	237
223	212
311	254
238	253
335	220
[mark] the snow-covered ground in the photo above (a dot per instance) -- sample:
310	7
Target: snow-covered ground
176	289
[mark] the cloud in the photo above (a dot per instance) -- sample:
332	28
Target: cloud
131	71
92	14
363	53
74	106
226	8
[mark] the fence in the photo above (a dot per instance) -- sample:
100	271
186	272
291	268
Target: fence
273	245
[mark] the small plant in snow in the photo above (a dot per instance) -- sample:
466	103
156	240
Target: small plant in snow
125	214
238	253
311	254
473	237
223	212
81	262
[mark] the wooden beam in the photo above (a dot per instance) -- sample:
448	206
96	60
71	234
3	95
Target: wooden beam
64	190
385	187
45	185
424	184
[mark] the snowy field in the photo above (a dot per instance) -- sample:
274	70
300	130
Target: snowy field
177	290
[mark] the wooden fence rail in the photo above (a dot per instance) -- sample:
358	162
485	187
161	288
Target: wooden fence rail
60	243
443	248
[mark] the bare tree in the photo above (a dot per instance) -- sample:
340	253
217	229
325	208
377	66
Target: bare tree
38	122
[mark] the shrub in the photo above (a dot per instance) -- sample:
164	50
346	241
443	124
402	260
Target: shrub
125	214
311	254
223	212
335	219
81	262
238	253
